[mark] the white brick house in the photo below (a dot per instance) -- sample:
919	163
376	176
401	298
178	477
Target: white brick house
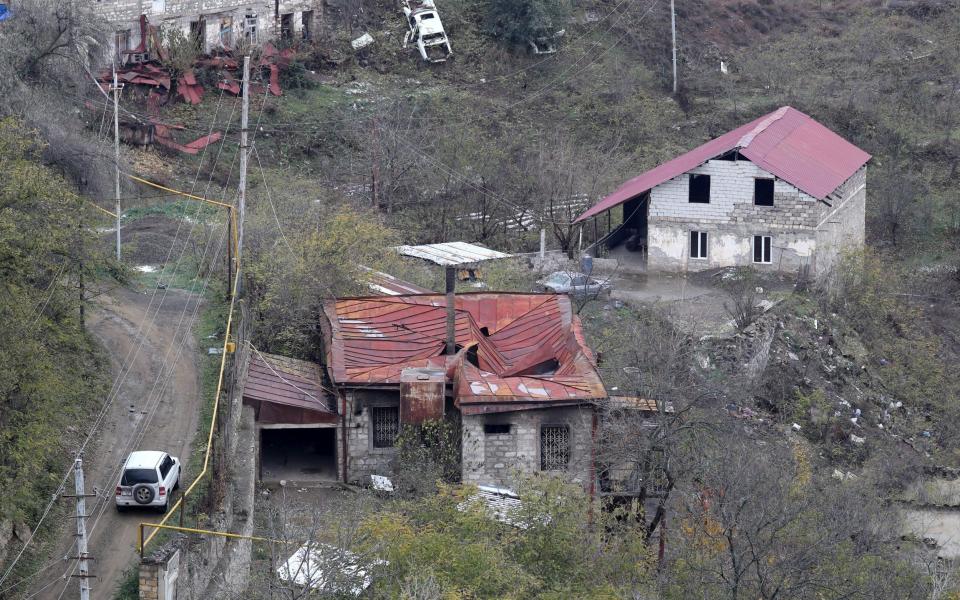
215	24
782	193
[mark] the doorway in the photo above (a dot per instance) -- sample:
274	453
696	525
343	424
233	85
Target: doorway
298	454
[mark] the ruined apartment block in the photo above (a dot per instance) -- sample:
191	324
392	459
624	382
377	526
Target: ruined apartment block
781	193
214	24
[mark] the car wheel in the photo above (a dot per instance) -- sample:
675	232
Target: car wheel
163	508
176	484
143	494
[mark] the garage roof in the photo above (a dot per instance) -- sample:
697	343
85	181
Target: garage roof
285	381
451	253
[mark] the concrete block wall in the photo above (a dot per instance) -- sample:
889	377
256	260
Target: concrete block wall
363	460
498	459
731	220
841	227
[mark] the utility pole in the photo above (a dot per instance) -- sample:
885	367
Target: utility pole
116	150
244	117
673	29
82	556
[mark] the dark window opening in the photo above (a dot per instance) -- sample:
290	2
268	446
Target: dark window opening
496	428
762	249
700	189
198	34
286	27
554	448
698	244
307	22
763	192
385	425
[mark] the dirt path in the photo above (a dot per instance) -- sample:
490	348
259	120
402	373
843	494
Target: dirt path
167	420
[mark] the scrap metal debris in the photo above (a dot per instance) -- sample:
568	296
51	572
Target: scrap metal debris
426	31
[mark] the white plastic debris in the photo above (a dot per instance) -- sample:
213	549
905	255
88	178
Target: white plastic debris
796	427
362	42
856	439
381	483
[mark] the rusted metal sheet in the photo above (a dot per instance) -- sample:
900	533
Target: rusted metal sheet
786	143
287	390
388	285
515	348
422	394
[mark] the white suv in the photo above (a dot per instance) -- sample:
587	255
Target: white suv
149	477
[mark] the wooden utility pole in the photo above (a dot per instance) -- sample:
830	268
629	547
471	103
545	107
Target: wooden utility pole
244	118
83	566
116	150
673	29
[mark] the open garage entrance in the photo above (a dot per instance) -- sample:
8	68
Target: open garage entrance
301	454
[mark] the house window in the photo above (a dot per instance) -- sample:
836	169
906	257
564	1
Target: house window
250	28
761	249
698	244
554	448
385	423
121	45
307	21
226	32
286	27
496	428
763	192
700	189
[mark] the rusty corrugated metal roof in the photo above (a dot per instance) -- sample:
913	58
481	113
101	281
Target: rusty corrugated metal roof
786	143
515	348
287	381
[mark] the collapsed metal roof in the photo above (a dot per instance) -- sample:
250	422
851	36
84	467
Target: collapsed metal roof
516	351
451	253
786	143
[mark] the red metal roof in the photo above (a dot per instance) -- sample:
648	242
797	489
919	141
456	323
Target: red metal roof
515	348
786	143
287	381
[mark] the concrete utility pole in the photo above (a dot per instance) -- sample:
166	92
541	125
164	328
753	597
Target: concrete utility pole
116	150
543	243
244	118
82	556
673	29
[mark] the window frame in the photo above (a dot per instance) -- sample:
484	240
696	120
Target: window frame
703	245
766	249
489	428
541	448
690	188
756	182
373	433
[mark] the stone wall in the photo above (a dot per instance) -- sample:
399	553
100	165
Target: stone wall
498	458
841	226
219	15
363	460
731	219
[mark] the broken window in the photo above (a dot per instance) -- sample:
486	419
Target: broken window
700	189
762	249
763	192
307	22
250	28
385	423
698	244
122	44
286	27
226	31
496	428
554	448
198	34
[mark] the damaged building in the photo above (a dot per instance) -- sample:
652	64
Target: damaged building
516	375
213	25
782	192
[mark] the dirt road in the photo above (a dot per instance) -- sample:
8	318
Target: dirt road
157	408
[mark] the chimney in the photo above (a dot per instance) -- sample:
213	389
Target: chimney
451	313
